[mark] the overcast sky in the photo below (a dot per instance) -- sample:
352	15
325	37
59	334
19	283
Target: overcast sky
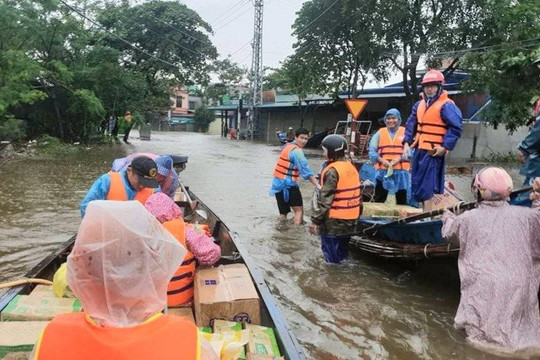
232	22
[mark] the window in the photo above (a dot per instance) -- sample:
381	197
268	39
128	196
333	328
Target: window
179	101
192	105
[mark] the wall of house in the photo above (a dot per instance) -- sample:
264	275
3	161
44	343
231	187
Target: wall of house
489	141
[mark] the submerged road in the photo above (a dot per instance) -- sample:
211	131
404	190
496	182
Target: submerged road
364	308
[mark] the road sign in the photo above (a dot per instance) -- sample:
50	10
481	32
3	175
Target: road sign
356	106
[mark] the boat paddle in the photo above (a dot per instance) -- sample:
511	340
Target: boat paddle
459	206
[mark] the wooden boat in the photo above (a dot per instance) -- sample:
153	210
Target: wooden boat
312	143
412	241
231	250
316	140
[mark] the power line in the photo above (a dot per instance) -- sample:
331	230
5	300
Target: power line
116	36
227	11
166	39
230	21
317	18
180	31
241	47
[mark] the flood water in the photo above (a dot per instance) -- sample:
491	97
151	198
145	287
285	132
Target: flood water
365	308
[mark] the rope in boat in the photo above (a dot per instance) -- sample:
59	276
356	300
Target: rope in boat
25	281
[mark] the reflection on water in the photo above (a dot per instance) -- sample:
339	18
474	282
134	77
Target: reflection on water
366	308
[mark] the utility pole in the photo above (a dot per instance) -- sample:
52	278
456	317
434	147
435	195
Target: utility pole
256	69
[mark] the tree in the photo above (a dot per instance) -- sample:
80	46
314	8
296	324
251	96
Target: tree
502	66
173	34
63	67
203	117
334	45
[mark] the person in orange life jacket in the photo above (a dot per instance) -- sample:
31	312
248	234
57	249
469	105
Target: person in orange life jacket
339	201
200	248
136	182
119	269
434	127
291	165
385	151
166	177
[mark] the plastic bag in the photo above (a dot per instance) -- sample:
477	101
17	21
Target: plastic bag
60	286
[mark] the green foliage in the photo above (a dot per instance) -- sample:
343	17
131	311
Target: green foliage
11	129
51	145
214	92
86	112
335	49
64	75
16	73
229	72
504	68
203	117
510	157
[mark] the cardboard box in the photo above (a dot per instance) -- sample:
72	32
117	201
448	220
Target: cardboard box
225	293
185	312
404	211
251	356
389	211
224	325
38	306
438	201
18	337
262	340
373	209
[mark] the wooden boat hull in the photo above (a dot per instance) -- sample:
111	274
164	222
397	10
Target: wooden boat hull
420	232
412	241
232	252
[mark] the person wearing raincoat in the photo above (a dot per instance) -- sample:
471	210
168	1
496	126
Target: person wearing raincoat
433	128
499	266
166	174
119	268
386	153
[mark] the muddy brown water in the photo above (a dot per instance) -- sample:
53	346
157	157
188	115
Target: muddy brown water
365	308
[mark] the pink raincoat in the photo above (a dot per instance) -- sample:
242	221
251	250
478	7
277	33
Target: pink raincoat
499	269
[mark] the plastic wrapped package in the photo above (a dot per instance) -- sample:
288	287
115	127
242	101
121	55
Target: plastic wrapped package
121	263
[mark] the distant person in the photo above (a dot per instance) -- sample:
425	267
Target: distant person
136	182
291	165
499	266
339	202
201	249
282	136
433	128
166	174
386	152
291	134
529	152
129	125
119	269
233	134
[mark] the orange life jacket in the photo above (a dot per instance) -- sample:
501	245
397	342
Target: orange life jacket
117	191
391	149
430	126
71	336
347	198
284	165
180	289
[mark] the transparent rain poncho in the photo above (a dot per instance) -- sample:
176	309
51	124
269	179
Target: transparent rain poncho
121	263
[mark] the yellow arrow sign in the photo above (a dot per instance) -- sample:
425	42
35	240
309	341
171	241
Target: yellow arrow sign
356	106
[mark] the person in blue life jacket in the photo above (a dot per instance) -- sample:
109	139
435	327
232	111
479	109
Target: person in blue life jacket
433	128
291	165
386	153
135	182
